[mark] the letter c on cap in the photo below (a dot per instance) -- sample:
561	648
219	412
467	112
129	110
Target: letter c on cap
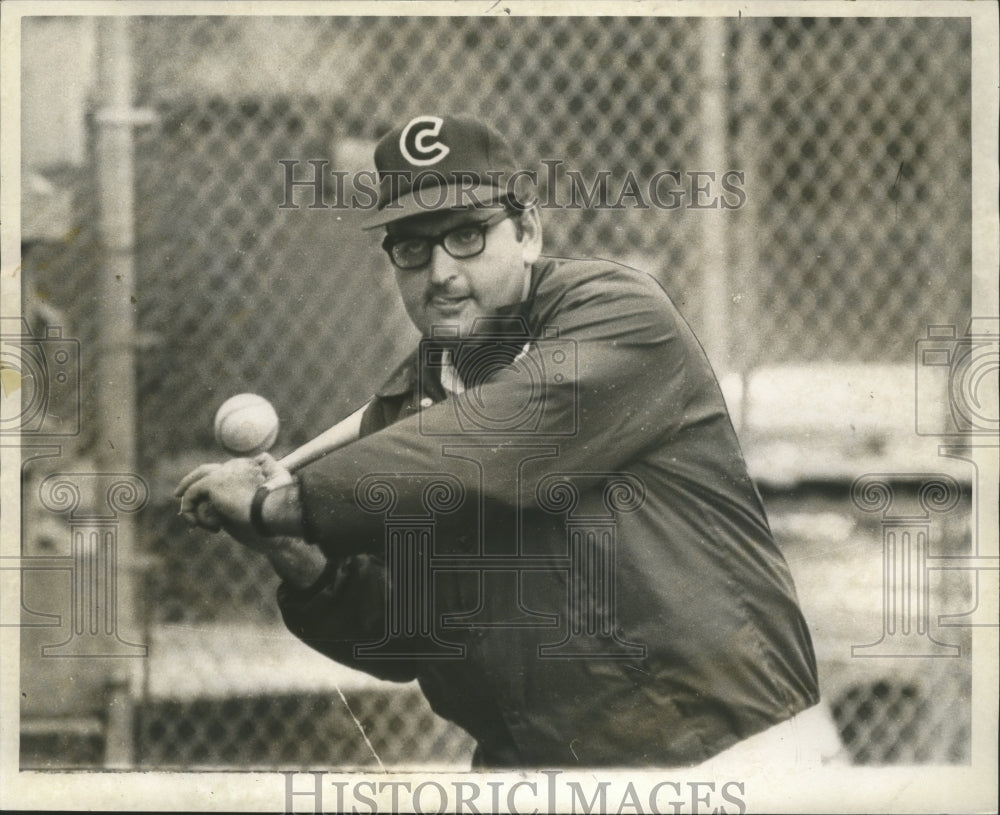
413	141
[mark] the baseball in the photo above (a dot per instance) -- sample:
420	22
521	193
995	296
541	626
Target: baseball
246	424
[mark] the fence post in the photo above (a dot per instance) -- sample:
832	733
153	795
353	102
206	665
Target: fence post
712	158
116	391
745	235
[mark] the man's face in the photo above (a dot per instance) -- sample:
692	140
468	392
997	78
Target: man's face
454	292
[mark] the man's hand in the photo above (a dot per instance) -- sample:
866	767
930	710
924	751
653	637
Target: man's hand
218	496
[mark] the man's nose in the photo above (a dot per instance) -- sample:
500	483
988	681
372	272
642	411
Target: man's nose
443	267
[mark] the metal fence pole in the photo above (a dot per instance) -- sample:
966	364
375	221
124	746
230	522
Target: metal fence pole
116	391
713	226
746	234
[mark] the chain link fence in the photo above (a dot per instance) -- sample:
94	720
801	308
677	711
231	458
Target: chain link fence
906	721
852	138
858	138
365	730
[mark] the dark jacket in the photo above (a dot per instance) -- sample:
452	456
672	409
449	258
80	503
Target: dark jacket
609	439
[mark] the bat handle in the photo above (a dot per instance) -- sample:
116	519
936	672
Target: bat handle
341	434
280	479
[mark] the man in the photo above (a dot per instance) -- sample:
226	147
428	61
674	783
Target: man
600	581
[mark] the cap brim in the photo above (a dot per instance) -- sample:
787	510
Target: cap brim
435	199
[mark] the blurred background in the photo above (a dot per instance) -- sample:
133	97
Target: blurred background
158	260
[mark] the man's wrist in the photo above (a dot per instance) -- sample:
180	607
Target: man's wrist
299	564
277	511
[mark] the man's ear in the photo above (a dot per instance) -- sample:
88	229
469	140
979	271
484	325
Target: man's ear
531	235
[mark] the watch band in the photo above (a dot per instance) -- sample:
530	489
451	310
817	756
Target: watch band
257	511
280	481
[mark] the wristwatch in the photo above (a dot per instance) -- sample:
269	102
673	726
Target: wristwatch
282	480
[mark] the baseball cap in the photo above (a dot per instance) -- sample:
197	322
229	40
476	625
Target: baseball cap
439	162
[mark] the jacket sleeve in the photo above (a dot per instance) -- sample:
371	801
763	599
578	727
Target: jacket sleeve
344	608
615	371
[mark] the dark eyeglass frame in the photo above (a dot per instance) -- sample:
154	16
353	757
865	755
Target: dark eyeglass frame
430	241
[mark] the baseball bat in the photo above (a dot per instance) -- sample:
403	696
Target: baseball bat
343	433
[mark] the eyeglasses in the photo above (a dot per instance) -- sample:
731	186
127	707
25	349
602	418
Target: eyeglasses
465	241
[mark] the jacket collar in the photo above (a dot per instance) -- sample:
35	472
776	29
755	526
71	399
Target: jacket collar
404	379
